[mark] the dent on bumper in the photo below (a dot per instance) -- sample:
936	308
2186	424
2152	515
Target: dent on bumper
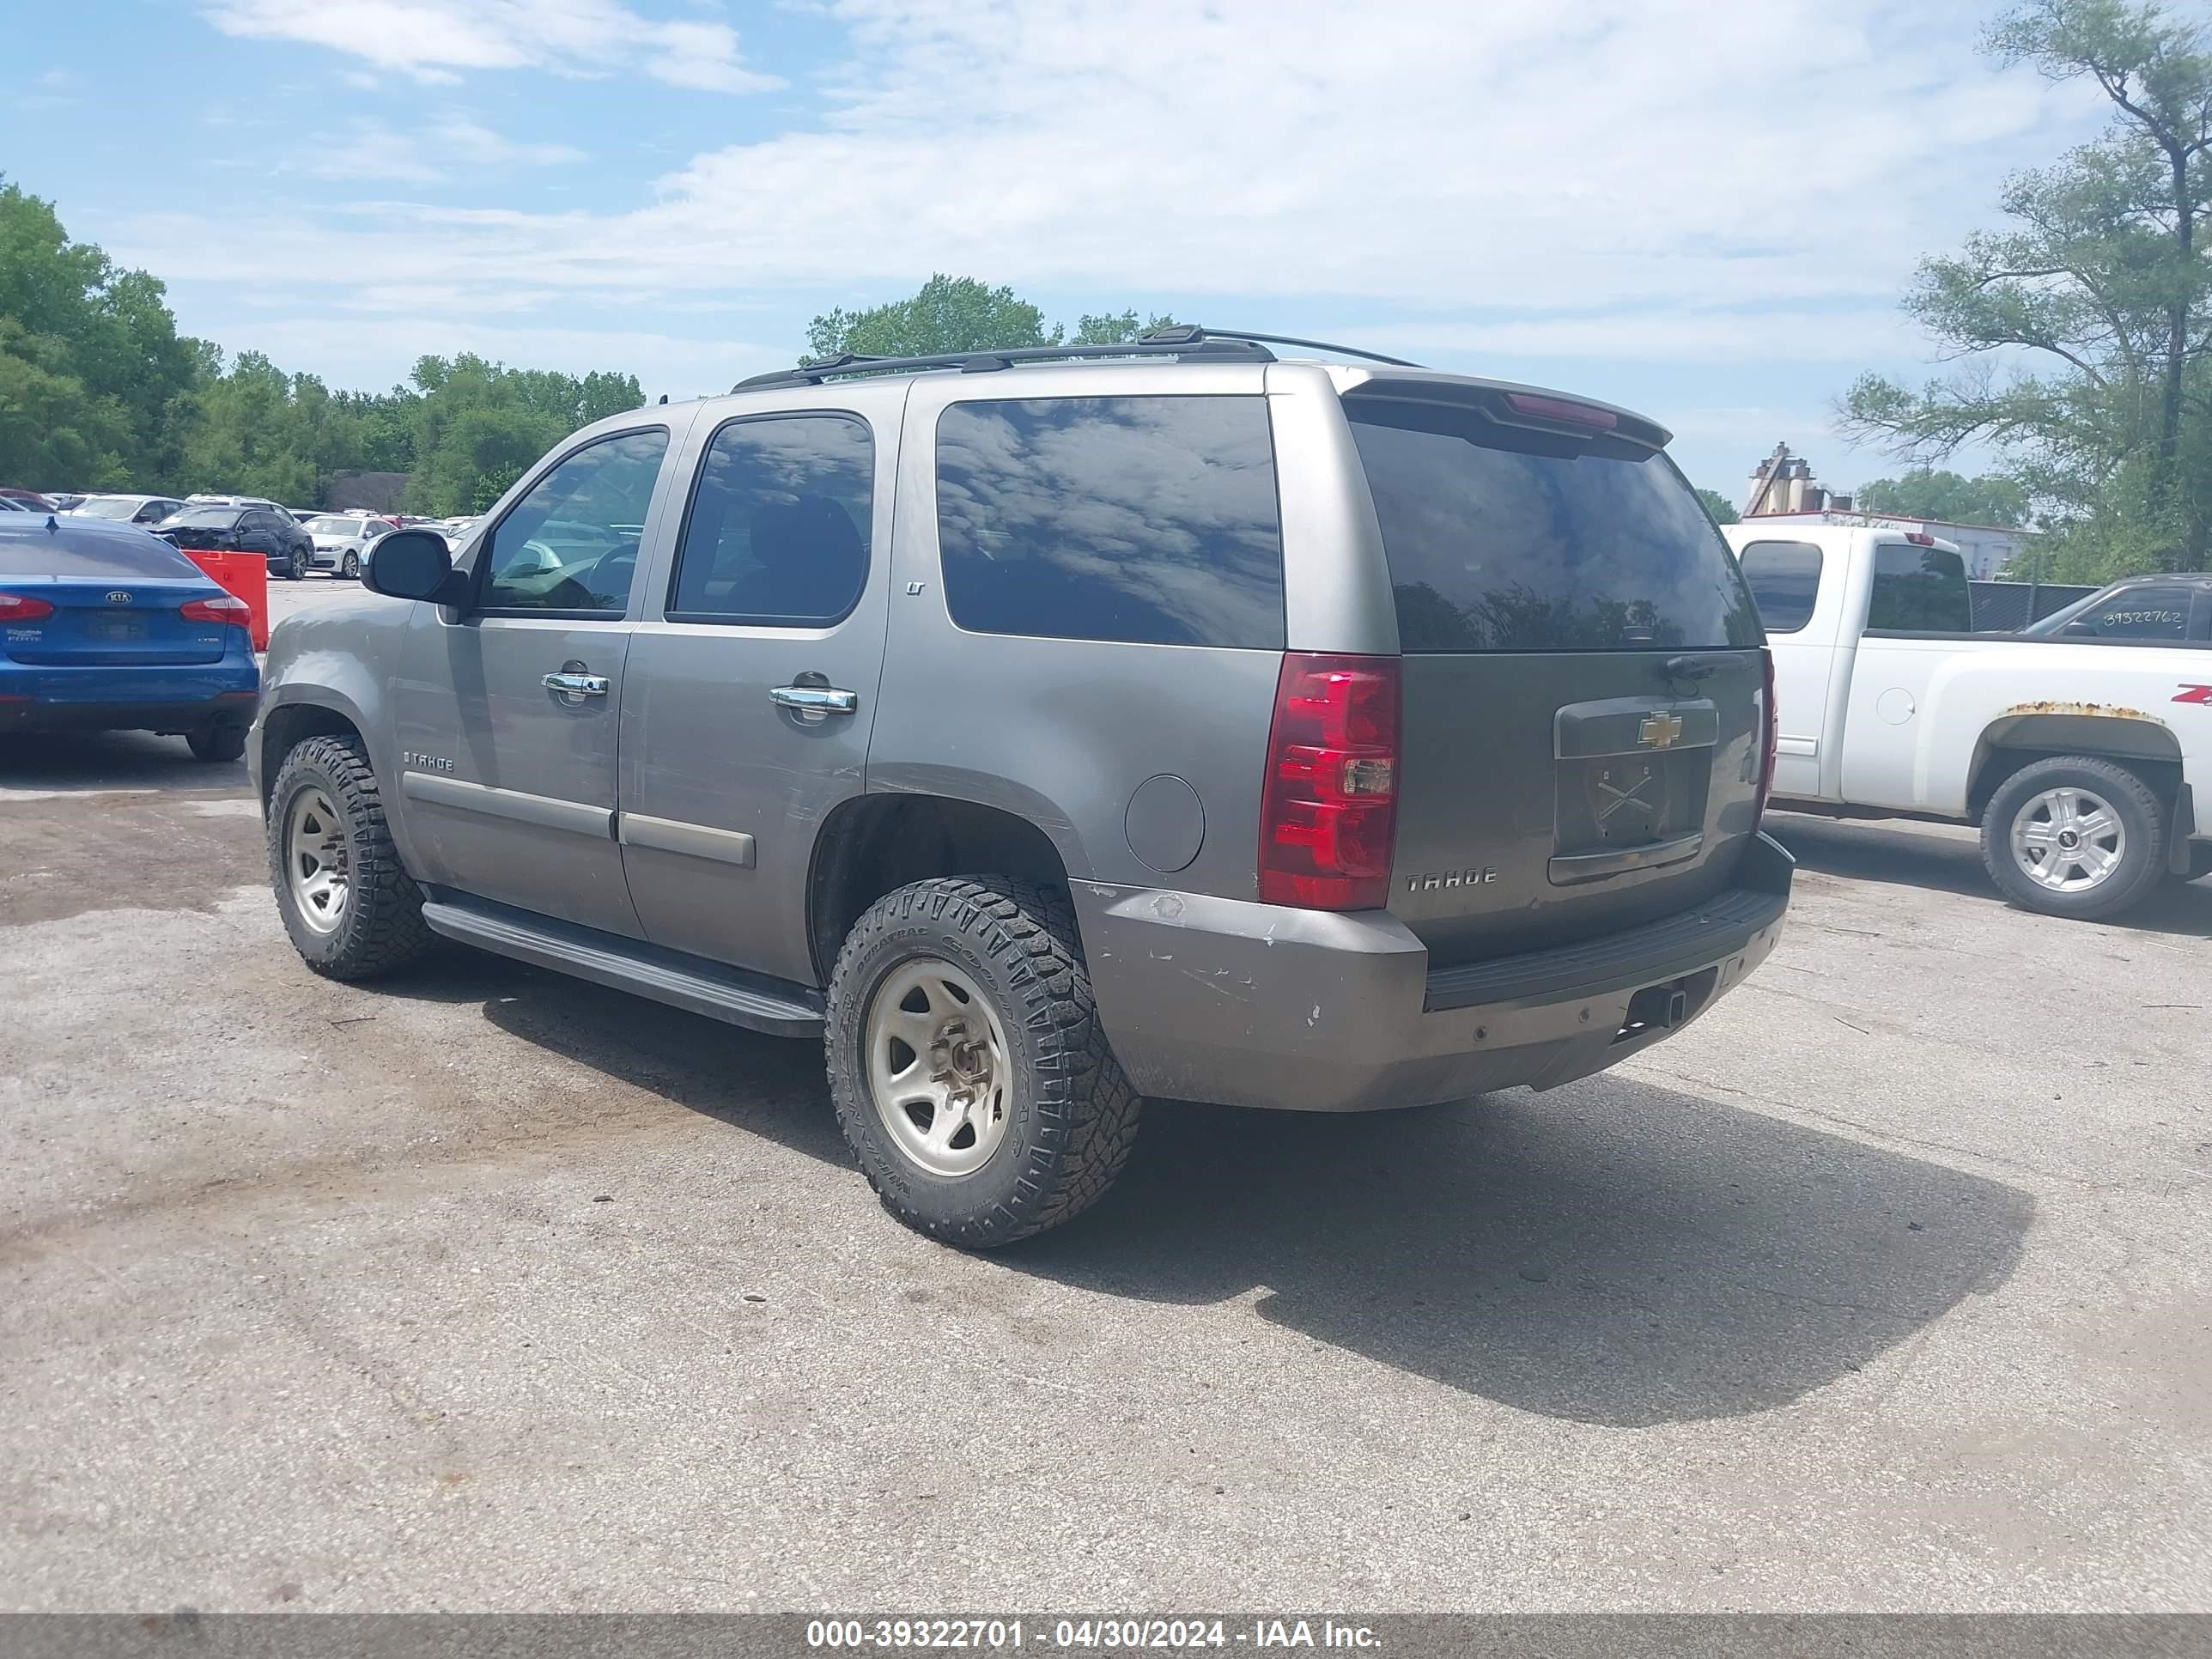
1255	1005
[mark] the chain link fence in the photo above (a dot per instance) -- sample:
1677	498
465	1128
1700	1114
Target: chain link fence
2007	607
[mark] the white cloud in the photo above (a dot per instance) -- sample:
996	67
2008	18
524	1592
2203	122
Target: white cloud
434	38
372	149
1851	335
1683	182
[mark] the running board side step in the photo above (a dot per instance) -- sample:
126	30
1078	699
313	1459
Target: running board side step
755	1001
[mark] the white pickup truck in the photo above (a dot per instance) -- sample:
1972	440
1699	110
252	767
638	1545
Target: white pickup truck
2081	758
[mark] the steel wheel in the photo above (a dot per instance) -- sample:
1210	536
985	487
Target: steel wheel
316	859
2069	840
937	1066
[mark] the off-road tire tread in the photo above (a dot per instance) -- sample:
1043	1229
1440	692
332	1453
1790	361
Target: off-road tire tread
1029	929
2128	890
386	931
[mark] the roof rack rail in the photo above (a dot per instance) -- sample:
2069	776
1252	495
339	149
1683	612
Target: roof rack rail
978	362
1285	339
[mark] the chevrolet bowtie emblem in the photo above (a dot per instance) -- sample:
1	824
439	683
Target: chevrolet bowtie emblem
1659	730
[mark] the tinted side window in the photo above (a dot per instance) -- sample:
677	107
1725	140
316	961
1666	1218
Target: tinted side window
778	529
1919	590
1147	520
1785	580
1502	538
2153	611
571	543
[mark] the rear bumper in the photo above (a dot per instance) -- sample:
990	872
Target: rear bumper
1254	1005
138	697
170	717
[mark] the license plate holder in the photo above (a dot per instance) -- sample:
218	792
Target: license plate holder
118	628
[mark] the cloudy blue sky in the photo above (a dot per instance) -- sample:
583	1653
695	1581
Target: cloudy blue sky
1705	209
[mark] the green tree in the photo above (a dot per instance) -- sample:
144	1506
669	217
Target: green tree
1721	508
474	426
1926	492
950	313
2102	282
1118	329
94	375
958	314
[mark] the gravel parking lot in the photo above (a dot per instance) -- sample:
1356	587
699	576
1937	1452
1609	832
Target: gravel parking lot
1889	1284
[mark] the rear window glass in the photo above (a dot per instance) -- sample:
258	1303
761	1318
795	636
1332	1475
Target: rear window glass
1500	538
117	553
1145	519
1785	580
1919	590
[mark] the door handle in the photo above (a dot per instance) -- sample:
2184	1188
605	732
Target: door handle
576	685
815	700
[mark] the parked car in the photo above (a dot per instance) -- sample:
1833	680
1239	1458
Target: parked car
264	530
342	538
1285	734
105	627
8	505
2081	755
2150	610
31	500
149	510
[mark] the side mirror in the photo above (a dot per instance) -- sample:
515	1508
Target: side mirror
412	564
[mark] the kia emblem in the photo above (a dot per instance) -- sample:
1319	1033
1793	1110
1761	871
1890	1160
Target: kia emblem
118	597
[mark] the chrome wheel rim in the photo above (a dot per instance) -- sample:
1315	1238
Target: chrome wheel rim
2069	840
938	1069
317	860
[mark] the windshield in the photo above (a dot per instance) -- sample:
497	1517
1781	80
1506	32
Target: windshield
108	506
206	518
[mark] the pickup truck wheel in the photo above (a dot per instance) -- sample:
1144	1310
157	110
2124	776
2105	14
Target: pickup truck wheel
2075	836
969	1072
352	911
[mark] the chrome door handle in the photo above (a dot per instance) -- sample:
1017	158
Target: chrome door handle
815	699
577	685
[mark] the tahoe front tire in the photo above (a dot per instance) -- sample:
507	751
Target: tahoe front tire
351	910
970	1074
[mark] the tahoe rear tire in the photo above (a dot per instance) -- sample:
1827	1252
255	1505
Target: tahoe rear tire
351	910
2074	836
986	977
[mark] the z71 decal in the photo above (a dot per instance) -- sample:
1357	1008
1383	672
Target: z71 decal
2195	694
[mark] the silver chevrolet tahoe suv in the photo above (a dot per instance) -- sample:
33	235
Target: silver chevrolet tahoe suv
1041	735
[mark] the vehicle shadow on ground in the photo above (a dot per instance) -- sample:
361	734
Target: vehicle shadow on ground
93	762
1903	857
1613	1253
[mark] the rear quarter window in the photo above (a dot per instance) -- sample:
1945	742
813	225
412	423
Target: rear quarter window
1145	519
1506	538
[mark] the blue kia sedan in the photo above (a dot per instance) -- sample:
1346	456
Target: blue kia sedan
105	627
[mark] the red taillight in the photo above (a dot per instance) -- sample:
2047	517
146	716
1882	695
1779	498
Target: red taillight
1329	812
1559	409
1770	738
16	607
1919	538
224	608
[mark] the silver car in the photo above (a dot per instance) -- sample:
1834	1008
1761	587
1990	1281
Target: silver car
343	540
1045	730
